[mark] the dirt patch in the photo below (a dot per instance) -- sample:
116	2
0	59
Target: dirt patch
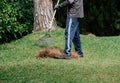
50	52
90	34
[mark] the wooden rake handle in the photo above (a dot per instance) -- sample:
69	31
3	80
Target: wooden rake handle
53	17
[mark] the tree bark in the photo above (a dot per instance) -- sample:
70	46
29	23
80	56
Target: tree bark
43	13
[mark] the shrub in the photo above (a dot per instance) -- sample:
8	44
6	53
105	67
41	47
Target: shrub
16	19
102	17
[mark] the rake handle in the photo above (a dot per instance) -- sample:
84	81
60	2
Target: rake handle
53	18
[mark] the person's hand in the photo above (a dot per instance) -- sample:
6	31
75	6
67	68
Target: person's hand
56	7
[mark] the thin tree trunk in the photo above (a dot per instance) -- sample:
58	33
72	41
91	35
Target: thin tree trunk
43	12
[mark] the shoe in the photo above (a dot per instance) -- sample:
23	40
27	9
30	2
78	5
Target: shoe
81	56
62	57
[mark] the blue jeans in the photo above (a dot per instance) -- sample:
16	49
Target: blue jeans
72	36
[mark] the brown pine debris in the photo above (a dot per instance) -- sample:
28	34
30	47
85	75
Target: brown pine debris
50	52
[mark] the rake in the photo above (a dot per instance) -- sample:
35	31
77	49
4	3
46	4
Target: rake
47	40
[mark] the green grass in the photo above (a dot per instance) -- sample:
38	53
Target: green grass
101	62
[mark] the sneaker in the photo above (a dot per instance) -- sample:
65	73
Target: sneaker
81	56
62	57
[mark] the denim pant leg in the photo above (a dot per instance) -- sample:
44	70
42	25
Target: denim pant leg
77	42
71	26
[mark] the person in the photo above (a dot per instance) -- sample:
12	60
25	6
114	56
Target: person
74	13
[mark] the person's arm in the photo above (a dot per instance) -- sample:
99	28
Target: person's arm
65	3
71	1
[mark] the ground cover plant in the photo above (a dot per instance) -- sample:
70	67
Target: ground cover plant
101	63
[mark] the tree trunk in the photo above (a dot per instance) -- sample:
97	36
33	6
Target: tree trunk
43	13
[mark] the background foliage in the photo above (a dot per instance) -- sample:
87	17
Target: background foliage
16	19
101	18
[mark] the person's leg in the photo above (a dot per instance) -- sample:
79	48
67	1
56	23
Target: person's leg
71	26
77	42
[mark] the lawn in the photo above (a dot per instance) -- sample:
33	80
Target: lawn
101	62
